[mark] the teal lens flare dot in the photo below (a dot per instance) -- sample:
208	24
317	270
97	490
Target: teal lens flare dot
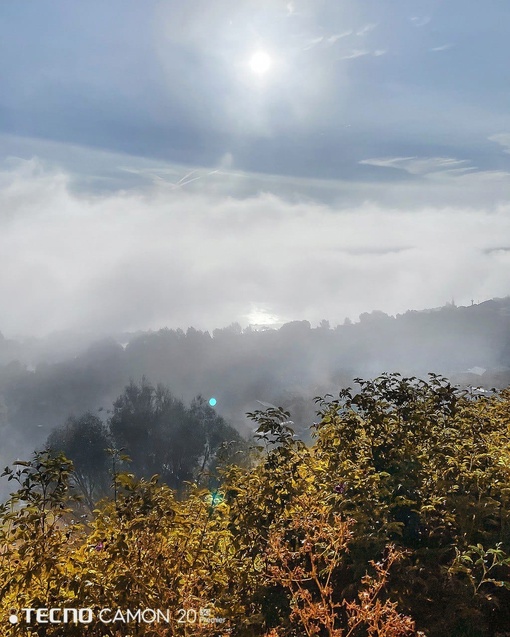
212	401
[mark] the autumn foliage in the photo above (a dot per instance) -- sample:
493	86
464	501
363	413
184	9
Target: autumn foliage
394	523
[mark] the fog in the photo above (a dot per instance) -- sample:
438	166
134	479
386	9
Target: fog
162	256
104	286
44	381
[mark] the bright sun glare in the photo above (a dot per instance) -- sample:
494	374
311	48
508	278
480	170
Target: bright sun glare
260	62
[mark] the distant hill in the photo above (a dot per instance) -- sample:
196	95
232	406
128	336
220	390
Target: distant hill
44	381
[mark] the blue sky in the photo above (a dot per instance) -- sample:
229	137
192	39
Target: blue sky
127	121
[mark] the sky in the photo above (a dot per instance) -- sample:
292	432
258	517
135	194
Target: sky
176	163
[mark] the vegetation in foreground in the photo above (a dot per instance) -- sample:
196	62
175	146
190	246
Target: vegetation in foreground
394	521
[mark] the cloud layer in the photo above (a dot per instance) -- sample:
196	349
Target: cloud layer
166	256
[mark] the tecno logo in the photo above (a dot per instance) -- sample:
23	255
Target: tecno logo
53	616
87	616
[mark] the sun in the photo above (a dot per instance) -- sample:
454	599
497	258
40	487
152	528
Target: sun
260	62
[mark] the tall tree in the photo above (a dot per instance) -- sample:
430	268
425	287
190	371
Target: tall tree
163	436
85	441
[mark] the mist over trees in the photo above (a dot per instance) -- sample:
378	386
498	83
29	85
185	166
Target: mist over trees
44	382
150	432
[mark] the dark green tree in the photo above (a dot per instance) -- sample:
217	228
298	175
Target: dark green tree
163	436
85	441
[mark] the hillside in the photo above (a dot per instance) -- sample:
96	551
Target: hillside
43	382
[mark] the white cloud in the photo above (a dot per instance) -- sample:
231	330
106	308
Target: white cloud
503	139
355	53
310	44
421	165
445	170
366	29
443	47
325	40
420	21
198	256
338	36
